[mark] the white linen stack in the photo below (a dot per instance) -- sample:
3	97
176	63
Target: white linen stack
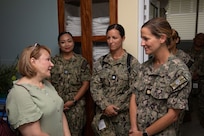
99	25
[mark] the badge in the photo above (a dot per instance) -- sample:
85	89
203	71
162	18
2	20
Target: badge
65	71
148	91
113	77
195	85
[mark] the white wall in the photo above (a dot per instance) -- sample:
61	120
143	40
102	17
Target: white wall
128	18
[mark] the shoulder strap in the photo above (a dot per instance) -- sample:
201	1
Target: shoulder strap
128	61
103	60
190	63
84	65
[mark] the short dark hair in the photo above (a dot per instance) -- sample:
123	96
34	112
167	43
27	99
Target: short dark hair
117	27
62	33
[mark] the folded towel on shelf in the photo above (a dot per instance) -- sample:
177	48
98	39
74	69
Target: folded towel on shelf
73	25
99	25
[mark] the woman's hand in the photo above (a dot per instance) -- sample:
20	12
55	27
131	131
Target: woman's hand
68	104
135	132
111	110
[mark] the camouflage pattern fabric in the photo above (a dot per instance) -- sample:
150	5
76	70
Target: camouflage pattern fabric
110	85
183	56
195	53
186	58
159	89
67	77
108	131
200	71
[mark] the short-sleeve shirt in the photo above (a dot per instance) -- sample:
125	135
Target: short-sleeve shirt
67	76
159	89
111	81
27	103
186	58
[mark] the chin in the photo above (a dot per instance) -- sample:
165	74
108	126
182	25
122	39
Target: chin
147	52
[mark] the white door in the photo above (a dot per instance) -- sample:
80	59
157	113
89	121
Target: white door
143	11
147	9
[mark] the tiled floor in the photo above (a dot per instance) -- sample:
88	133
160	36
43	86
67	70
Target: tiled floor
193	128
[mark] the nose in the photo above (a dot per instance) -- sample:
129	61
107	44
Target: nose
110	39
142	42
51	64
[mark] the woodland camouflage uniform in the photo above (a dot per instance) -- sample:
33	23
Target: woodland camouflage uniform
110	85
67	77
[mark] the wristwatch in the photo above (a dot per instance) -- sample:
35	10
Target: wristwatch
144	133
74	101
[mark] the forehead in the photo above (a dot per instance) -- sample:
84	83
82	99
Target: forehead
145	31
113	31
65	36
44	53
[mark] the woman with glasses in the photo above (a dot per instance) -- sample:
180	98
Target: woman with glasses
33	105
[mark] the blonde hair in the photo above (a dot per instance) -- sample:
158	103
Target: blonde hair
25	68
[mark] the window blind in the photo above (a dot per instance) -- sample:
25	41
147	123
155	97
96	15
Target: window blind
181	14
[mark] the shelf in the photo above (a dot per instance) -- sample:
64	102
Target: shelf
78	1
94	38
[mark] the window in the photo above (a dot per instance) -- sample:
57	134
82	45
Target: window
181	14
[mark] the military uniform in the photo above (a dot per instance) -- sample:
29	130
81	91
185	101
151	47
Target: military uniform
110	84
159	89
200	72
67	77
186	58
198	82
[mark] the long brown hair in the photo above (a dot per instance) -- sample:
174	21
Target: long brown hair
159	26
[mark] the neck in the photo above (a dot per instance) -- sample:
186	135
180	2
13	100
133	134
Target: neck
33	81
161	57
67	56
173	51
118	54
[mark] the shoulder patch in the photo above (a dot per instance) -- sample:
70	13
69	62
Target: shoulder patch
179	81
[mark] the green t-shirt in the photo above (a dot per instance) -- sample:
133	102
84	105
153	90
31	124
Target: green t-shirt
33	104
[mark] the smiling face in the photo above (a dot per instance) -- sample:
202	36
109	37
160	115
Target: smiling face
42	64
150	42
114	40
66	43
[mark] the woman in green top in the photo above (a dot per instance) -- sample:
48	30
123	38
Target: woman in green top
33	105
